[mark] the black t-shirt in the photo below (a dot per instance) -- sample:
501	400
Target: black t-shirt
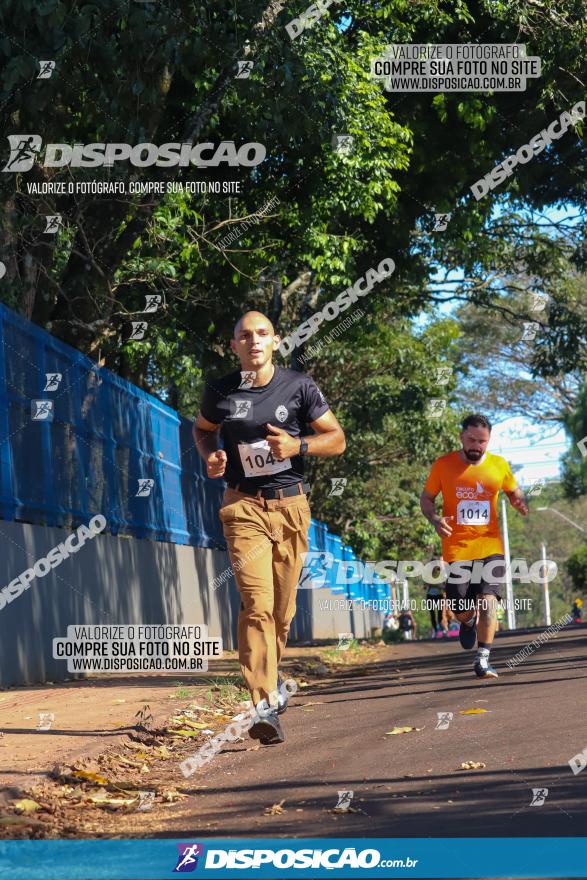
291	400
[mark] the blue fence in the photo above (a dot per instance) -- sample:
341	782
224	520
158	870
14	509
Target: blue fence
77	440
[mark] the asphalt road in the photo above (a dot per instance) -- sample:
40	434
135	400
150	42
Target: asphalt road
410	785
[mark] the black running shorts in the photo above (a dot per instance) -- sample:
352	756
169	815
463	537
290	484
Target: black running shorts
467	580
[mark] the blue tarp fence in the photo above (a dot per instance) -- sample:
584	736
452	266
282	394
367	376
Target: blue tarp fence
76	440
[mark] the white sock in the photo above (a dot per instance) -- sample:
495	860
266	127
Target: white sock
483	656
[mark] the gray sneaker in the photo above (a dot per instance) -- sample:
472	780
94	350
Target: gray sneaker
484	670
282	696
266	726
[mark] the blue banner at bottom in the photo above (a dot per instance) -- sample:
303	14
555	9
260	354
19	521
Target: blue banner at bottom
158	859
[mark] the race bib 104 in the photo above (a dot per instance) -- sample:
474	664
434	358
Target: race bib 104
473	513
257	459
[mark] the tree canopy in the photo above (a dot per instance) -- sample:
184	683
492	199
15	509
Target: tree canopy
134	72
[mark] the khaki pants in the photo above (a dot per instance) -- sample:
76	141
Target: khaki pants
266	539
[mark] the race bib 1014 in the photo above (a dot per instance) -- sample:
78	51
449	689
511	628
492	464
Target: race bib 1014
473	513
257	459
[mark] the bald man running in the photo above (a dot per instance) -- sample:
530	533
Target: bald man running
270	418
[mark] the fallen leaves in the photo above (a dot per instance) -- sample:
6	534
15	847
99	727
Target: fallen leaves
88	776
182	731
103	799
472	765
17	820
172	795
275	809
397	730
26	805
348	809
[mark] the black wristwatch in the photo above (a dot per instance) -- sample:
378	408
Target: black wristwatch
303	446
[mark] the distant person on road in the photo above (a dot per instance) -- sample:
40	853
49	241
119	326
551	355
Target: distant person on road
577	610
470	480
407	625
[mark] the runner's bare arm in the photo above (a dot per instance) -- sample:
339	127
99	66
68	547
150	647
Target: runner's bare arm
440	523
518	501
329	438
207	443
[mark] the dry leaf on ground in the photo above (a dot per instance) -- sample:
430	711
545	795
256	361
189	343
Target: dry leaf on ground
402	730
275	809
102	798
473	711
88	776
472	765
26	805
184	732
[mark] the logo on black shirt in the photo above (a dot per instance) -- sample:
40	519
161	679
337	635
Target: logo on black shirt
281	413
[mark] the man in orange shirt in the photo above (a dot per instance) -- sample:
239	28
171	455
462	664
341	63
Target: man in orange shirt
470	481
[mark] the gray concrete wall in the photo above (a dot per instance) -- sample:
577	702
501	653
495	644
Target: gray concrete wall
124	580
